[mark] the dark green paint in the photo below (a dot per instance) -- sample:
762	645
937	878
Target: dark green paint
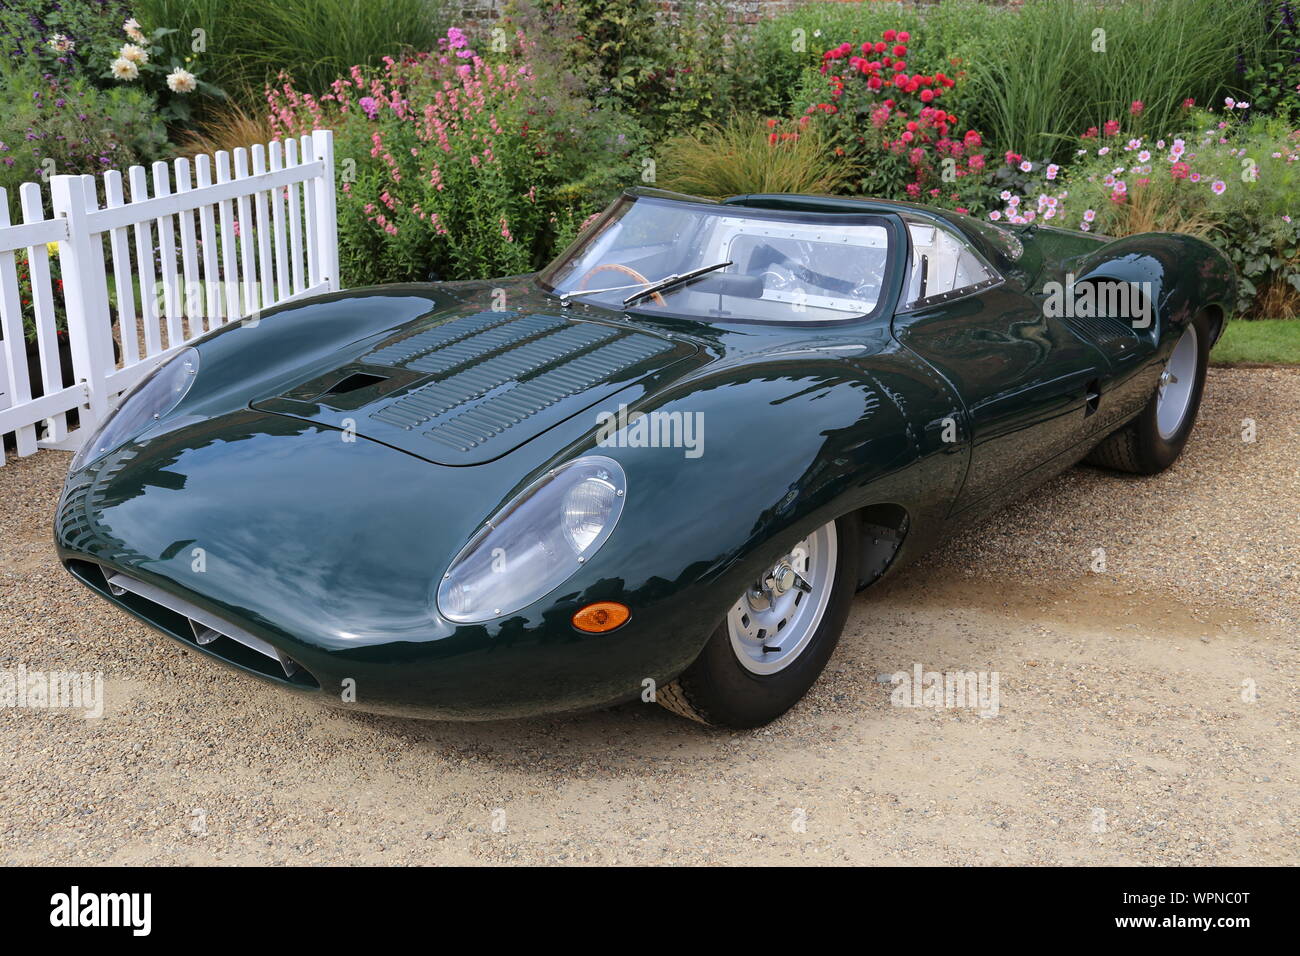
332	550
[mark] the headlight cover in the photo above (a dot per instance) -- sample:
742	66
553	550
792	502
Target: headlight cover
535	542
156	395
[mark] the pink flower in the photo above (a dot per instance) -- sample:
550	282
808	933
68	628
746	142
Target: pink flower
1089	215
1136	107
1026	166
1052	170
1218	187
1179	170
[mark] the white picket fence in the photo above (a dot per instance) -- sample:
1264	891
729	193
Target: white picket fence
194	253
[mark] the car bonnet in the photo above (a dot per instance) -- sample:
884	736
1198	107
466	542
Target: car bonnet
468	387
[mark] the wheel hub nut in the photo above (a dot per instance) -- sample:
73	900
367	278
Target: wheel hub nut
784	578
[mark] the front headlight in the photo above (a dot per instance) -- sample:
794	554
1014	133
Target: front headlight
535	542
156	395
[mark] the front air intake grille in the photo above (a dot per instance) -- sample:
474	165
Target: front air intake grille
193	625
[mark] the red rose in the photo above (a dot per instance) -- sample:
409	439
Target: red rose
890	35
900	50
927	96
881	47
904	35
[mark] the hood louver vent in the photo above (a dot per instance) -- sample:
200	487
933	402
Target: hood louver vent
474	387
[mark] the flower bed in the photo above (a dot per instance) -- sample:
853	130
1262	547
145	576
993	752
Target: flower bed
453	167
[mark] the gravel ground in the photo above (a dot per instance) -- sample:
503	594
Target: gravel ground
1125	732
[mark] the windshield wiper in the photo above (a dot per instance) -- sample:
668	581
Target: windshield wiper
669	282
566	296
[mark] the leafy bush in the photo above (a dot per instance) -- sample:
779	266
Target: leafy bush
781	51
1226	178
463	169
748	155
628	58
1031	77
53	124
162	61
59	35
891	124
249	43
1273	81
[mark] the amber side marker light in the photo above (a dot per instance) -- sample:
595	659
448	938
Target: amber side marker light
601	616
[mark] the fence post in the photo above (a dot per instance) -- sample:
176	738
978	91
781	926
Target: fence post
85	291
327	226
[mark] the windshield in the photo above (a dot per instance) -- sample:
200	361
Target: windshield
756	265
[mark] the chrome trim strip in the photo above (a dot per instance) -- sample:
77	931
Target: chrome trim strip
207	627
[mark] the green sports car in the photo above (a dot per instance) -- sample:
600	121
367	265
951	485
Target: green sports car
657	470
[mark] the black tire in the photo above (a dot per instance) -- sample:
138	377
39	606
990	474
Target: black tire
1138	447
716	689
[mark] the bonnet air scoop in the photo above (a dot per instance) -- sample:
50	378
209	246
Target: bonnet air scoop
465	389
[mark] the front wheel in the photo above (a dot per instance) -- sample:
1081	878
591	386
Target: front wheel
777	637
1154	440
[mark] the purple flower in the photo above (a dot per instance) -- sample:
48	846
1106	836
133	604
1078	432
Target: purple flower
368	104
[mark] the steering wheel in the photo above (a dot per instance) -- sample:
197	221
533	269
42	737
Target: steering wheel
625	270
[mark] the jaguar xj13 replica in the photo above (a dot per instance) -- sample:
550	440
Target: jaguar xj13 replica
658	469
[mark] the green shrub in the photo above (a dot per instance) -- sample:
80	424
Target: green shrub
463	169
249	43
890	123
667	75
54	124
29	28
1273	80
1030	78
1228	179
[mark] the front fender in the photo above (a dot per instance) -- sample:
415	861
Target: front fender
1181	274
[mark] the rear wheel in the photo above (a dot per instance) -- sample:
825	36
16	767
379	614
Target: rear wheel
1154	440
777	637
